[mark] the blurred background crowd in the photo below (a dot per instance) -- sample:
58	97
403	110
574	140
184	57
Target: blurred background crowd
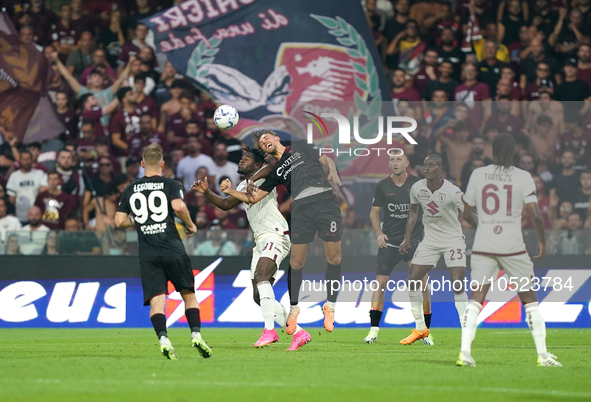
465	70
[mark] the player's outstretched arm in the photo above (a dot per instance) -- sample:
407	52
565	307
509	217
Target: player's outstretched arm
262	173
470	216
223	203
122	220
180	208
534	211
413	214
257	195
374	217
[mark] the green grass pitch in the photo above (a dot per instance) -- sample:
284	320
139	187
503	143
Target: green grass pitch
126	365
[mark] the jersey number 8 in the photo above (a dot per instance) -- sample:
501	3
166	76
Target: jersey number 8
159	212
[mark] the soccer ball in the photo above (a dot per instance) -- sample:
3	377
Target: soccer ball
226	117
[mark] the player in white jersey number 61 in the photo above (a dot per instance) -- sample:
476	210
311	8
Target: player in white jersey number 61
498	192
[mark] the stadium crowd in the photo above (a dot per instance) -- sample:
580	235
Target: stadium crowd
465	71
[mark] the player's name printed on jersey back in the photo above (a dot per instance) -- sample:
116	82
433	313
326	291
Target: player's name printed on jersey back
148	186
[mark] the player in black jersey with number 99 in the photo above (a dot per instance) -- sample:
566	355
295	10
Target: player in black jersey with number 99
150	204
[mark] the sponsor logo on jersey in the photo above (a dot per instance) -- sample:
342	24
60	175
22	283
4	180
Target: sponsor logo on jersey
432	208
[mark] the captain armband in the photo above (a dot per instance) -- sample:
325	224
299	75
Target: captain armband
530	198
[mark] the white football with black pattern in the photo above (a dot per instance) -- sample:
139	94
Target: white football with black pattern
226	117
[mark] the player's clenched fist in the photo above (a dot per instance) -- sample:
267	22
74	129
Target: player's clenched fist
226	186
190	230
200	186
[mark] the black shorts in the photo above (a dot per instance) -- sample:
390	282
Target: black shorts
389	257
320	214
157	271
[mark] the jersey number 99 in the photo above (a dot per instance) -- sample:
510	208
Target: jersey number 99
148	208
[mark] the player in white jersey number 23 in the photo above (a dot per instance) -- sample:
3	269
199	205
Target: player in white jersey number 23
442	206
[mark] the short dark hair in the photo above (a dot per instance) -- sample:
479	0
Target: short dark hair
87	122
186	95
257	154
52	172
503	147
145	114
101	141
191	121
436	158
82	100
141	77
122	92
507	97
35	145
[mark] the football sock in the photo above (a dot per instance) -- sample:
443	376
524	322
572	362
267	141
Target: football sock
427	317
536	324
294	281
279	314
333	274
159	324
375	316
461	303
416	306
193	319
267	303
469	323
298	329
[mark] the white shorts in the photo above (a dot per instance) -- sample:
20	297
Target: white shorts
271	246
426	254
519	269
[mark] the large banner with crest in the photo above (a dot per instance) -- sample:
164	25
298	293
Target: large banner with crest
263	56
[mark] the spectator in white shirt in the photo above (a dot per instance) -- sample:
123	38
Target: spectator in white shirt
34	216
188	166
8	223
223	168
24	185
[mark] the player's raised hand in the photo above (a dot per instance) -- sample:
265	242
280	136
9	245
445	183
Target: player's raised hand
541	250
226	186
334	177
191	230
200	186
404	246
382	241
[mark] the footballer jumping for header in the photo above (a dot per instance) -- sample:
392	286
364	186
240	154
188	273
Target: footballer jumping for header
314	209
271	236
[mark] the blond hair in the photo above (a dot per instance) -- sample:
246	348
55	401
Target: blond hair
153	155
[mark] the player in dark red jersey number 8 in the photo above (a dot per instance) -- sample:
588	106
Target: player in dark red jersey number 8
314	209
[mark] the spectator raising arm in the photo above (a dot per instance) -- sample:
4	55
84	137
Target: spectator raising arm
65	73
123	76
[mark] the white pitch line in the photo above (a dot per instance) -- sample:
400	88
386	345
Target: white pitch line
508	391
